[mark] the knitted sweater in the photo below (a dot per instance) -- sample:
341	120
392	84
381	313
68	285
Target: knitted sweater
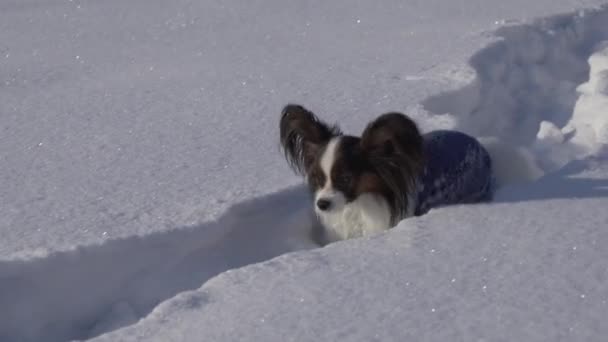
457	169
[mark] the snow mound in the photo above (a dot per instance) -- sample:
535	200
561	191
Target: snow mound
525	93
511	164
589	123
43	299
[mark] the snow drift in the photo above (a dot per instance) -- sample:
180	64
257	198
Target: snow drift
525	91
95	289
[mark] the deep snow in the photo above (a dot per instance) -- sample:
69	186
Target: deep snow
139	161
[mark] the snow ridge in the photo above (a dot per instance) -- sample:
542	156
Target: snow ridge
42	299
526	84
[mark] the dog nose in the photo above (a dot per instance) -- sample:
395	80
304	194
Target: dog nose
323	204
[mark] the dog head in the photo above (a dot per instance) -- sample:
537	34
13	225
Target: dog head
340	168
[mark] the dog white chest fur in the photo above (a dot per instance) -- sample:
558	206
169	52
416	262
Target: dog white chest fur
367	214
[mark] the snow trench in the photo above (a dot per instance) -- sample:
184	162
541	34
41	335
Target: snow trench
536	87
91	290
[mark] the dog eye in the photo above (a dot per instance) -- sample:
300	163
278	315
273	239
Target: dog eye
316	179
320	179
344	179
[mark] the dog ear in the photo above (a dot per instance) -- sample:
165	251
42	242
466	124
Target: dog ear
302	136
393	145
393	136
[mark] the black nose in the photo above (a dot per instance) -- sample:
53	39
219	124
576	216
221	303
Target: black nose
323	204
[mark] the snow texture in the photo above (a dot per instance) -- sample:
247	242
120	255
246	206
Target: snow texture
144	196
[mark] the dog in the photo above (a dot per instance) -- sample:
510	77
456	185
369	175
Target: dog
363	185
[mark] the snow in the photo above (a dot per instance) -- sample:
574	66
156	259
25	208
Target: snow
481	277
590	129
144	196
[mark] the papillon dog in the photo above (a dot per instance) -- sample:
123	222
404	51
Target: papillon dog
363	185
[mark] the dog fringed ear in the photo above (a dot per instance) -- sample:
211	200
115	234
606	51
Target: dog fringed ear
393	137
302	136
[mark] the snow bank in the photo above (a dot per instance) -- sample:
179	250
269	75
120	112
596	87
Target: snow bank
95	289
521	269
525	92
589	123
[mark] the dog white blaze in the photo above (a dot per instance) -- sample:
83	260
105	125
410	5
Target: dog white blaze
327	163
367	214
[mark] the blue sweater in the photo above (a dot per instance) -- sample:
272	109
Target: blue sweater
457	169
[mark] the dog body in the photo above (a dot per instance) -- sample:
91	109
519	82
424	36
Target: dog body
365	185
458	169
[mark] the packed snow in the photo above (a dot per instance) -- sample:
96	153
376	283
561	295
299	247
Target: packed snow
144	197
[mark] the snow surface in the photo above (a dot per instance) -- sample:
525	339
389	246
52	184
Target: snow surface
142	186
